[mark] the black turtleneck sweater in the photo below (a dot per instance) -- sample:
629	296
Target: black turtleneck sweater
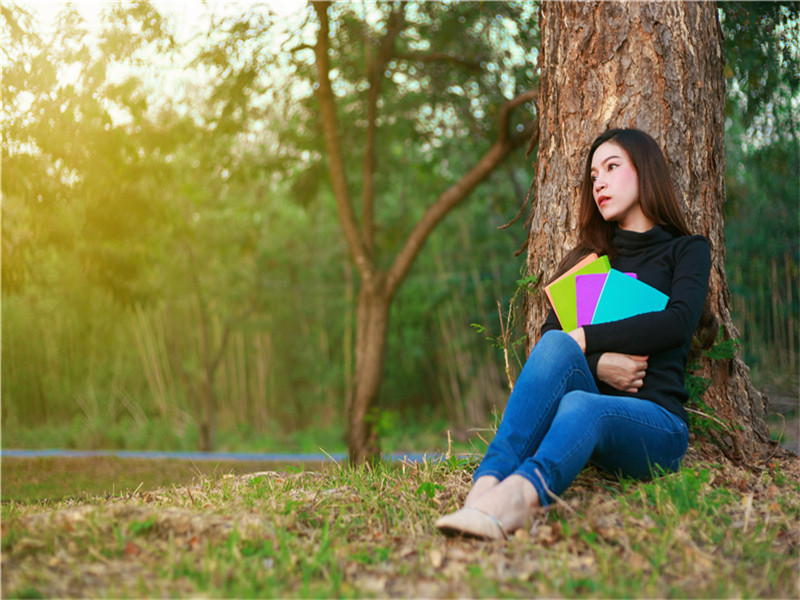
679	267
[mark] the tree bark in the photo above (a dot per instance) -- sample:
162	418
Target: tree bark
372	322
656	66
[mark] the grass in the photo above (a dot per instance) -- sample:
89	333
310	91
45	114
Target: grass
712	530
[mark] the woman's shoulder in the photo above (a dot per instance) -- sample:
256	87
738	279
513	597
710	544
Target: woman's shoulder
692	248
692	243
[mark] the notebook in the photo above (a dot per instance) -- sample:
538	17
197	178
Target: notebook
561	292
623	296
587	294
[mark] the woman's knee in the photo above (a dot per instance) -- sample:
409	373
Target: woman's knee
554	336
580	405
556	347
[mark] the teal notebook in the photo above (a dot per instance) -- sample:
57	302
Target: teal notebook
624	297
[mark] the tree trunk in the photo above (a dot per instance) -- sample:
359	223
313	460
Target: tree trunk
656	67
207	418
372	322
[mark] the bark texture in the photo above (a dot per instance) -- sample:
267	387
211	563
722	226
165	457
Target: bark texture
656	66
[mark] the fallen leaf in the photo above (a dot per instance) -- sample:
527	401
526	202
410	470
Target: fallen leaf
636	561
549	534
131	549
698	559
436	559
407	551
522	534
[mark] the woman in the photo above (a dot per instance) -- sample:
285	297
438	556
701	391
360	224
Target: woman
610	393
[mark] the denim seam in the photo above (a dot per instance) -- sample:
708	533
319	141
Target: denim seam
539	485
639	421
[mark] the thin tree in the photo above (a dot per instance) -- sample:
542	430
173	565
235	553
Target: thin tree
656	67
378	286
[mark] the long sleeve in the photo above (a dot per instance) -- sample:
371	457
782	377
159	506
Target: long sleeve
550	322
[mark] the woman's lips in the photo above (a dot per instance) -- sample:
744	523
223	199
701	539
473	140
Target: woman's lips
602	200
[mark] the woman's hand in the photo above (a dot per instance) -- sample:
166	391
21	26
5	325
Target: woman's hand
579	336
624	372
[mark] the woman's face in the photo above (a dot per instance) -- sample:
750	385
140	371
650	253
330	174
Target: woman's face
615	188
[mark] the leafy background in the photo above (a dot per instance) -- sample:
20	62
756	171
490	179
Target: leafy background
168	229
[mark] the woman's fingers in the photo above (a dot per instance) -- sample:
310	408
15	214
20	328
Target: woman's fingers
625	372
638	371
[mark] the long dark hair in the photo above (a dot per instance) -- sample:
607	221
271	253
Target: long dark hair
657	196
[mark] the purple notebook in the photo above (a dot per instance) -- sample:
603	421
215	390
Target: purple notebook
587	293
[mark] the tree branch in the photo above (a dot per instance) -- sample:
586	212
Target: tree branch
298	48
451	197
505	116
375	66
427	57
336	167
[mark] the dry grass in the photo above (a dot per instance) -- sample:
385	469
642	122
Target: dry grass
713	530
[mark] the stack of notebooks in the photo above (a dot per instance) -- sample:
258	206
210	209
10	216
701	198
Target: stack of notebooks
592	292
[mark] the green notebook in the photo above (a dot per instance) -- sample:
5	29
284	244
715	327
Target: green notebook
561	292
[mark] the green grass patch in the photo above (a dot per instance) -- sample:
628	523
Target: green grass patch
712	530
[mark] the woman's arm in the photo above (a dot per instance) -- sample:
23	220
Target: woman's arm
624	372
655	332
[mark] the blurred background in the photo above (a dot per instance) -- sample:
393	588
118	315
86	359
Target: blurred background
169	231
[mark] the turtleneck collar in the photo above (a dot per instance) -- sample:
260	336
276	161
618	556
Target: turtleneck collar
631	242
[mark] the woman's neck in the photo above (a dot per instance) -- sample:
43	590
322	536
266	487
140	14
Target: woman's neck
637	223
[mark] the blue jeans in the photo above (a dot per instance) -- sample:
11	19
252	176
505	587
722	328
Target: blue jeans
556	421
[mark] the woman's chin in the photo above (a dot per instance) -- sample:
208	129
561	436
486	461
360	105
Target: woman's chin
609	217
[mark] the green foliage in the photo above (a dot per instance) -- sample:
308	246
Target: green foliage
687	492
761	51
527	283
142	527
701	416
429	489
174	218
723	349
763	158
158	241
